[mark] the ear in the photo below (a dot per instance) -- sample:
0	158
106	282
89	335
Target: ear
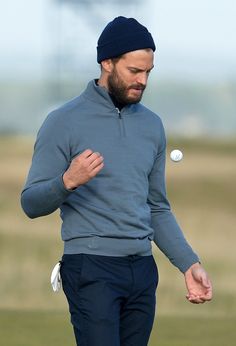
107	65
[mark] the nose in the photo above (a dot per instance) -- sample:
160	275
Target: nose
142	78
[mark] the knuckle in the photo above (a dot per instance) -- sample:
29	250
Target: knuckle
88	151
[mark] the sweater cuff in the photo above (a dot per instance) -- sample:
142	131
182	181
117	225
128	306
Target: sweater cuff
58	187
188	262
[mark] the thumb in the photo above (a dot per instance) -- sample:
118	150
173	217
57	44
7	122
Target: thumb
205	280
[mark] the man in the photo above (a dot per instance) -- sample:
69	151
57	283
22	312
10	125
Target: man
100	158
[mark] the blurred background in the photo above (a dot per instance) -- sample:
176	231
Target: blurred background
48	54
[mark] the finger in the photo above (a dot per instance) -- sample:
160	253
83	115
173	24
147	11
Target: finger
97	169
201	298
207	296
94	156
96	162
206	282
196	300
86	153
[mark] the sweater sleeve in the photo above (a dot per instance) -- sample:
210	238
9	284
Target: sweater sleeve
44	190
168	235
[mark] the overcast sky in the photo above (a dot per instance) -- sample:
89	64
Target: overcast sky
194	39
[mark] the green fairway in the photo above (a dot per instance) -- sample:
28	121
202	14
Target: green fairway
33	328
184	331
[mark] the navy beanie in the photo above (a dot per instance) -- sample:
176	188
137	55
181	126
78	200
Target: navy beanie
123	35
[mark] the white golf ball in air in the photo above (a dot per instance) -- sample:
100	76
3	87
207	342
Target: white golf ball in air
176	155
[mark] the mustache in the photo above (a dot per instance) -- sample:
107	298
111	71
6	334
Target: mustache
137	86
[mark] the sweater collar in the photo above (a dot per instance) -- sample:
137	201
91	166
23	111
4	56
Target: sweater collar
96	93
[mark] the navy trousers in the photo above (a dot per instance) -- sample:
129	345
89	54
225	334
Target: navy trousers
111	299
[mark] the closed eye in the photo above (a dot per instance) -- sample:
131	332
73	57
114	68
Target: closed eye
134	70
137	70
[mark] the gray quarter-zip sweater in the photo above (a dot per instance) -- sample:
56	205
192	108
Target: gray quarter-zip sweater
124	207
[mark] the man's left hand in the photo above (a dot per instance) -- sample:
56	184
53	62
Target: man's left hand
198	284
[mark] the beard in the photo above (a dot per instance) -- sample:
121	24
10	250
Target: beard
121	91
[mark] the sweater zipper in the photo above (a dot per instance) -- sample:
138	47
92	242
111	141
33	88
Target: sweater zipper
121	123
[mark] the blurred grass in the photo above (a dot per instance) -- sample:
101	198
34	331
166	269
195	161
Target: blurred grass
202	192
37	328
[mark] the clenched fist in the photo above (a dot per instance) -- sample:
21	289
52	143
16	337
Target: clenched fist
83	168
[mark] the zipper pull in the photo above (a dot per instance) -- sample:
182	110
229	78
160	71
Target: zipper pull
119	113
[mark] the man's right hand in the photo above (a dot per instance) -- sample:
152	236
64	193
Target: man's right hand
83	168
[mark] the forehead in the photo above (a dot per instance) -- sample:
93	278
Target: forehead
142	58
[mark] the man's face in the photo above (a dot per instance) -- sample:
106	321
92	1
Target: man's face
128	77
